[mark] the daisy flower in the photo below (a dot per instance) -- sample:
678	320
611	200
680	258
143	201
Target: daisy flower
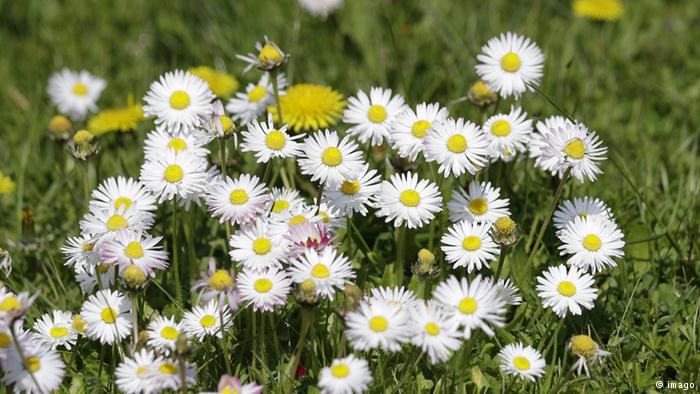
433	331
56	329
480	203
508	291
400	296
566	291
238	201
355	194
308	236
89	275
122	193
264	290
6	340
348	375
457	146
257	97
592	241
522	361
135	247
268	142
166	375
574	147
160	141
135	375
411	127
469	245
328	269
103	224
172	175
472	305
284	199
583	207
587	351
163	333
510	64
328	159
207	320
540	138
14	306
406	199
232	385
372	116
75	93
320	7
378	325
107	315
257	248
217	284
37	370
307	106
268	56
301	216
178	99
80	251
508	133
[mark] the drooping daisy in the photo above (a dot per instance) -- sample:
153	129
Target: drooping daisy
232	385
587	351
269	142
238	201
80	251
355	194
178	99
90	276
348	375
75	93
175	175
411	127
378	325
135	247
328	159
508	134
207	320
123	193
56	330
400	296
458	146
162	334
603	10
481	203
265	290
104	224
540	138
122	119
135	375
284	199
220	83
576	148
107	315
525	362
433	331
320	7
510	63
405	199
37	370
14	306
217	283
328	269
566	290
472	305
257	248
593	242
257	97
469	245
583	207
307	107
166	375
372	116
160	141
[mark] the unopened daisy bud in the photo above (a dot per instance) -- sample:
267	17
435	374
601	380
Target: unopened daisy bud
59	127
425	265
83	137
505	231
583	345
79	324
134	276
306	293
227	125
353	296
182	345
5	262
81	145
269	57
143	339
480	94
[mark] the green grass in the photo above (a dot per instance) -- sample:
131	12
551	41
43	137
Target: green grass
634	81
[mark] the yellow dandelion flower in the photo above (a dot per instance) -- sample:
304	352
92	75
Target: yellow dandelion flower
223	85
308	106
605	10
7	185
122	119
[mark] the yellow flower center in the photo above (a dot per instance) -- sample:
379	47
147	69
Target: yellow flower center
78	324
583	345
257	93
480	90
169	332
116	222
80	89
420	128
123	202
270	54
58	332
468	305
141	370
582	215
500	128
566	288
280	205
103	267
340	370
275	140
378	324
592	242
409	198
471	243
478	206
297	219
83	136
173	173
220	280
521	363
229	390
238	197
575	149
510	62
10	303
320	271
262	285
59	124
226	123
262	246
177	144
457	143
88	247
109	315
179	99
432	329
32	364
505	225
133	250
168	369
332	156
376	114
207	321
5	340
134	275
350	188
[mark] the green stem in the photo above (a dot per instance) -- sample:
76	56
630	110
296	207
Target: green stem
276	92
307	318
183	375
400	253
412	363
222	157
501	259
268	171
86	184
224	342
15	341
134	321
176	265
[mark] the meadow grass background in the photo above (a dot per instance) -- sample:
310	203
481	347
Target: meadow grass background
635	81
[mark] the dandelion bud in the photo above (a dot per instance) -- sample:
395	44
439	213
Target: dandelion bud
306	293
59	127
480	94
583	345
425	265
134	276
505	231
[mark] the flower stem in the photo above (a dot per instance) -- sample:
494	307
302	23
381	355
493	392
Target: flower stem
176	265
183	373
15	341
400	253
501	259
224	342
307	318
134	321
276	91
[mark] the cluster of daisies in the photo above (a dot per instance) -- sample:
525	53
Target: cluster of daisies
285	247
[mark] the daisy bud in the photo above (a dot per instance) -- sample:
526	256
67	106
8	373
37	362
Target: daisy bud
79	324
505	231
227	125
134	276
271	57
306	293
583	345
353	296
425	265
182	345
480	94
83	137
59	127
81	145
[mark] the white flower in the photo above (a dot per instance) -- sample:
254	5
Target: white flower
75	93
135	375
238	201
433	331
107	315
166	375
269	142
160	141
328	269
592	241
178	99
522	361
400	296
540	139
101	224
509	292
458	146
45	365
175	175
569	210
469	245
328	159
217	283
509	64
377	324
80	251
89	275
411	127
355	194
583	347
372	116
573	147
56	329
481	203
406	199
320	7
135	247
265	290
257	97
162	334
566	291
122	193
348	375
257	248
284	199
232	385
508	134
207	320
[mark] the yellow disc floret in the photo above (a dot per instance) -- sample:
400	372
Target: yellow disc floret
220	280
320	271
500	128
378	324
471	243
457	143
592	242
376	114
332	156
275	140
468	305
409	198
510	62
420	128
262	285
566	288
173	173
